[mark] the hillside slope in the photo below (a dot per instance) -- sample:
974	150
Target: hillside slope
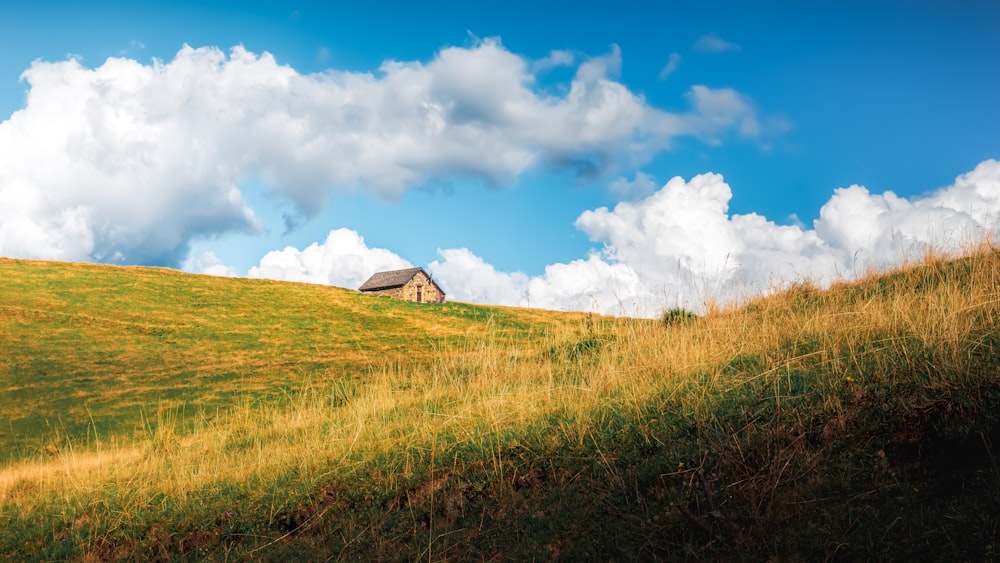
87	348
855	423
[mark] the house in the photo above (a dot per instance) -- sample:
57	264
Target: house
412	284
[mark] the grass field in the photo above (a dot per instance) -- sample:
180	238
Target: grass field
94	350
150	414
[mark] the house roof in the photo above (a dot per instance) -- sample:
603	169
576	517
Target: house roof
390	279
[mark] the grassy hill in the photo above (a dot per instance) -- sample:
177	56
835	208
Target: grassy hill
150	414
95	350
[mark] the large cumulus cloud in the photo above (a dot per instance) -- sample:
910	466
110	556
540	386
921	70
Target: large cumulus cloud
343	259
685	248
129	162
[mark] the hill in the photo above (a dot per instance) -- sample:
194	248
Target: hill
92	349
157	415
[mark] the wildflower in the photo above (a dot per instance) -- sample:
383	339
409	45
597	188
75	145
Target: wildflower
849	379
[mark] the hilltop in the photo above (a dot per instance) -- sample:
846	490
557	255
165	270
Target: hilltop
157	415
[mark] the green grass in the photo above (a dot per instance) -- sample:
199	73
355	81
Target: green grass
158	415
89	350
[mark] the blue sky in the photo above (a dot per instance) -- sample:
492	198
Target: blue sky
805	99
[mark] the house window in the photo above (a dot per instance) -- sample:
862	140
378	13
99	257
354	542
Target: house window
420	295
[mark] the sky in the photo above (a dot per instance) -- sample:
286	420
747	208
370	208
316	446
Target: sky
620	158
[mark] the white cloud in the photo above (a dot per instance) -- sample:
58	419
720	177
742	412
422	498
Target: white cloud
886	228
343	260
682	237
130	162
210	264
672	63
466	277
712	43
594	284
717	111
556	58
91	170
681	246
581	285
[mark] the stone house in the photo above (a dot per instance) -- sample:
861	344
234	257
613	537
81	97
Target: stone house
411	284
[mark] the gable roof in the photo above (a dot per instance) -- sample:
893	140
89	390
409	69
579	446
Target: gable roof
390	279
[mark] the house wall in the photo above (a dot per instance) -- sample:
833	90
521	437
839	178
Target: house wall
430	292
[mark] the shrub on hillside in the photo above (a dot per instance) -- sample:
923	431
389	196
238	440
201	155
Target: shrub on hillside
677	316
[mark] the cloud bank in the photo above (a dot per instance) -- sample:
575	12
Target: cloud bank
129	162
343	259
680	246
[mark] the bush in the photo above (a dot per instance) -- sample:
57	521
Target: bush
677	316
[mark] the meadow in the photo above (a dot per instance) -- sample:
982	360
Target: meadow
154	415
